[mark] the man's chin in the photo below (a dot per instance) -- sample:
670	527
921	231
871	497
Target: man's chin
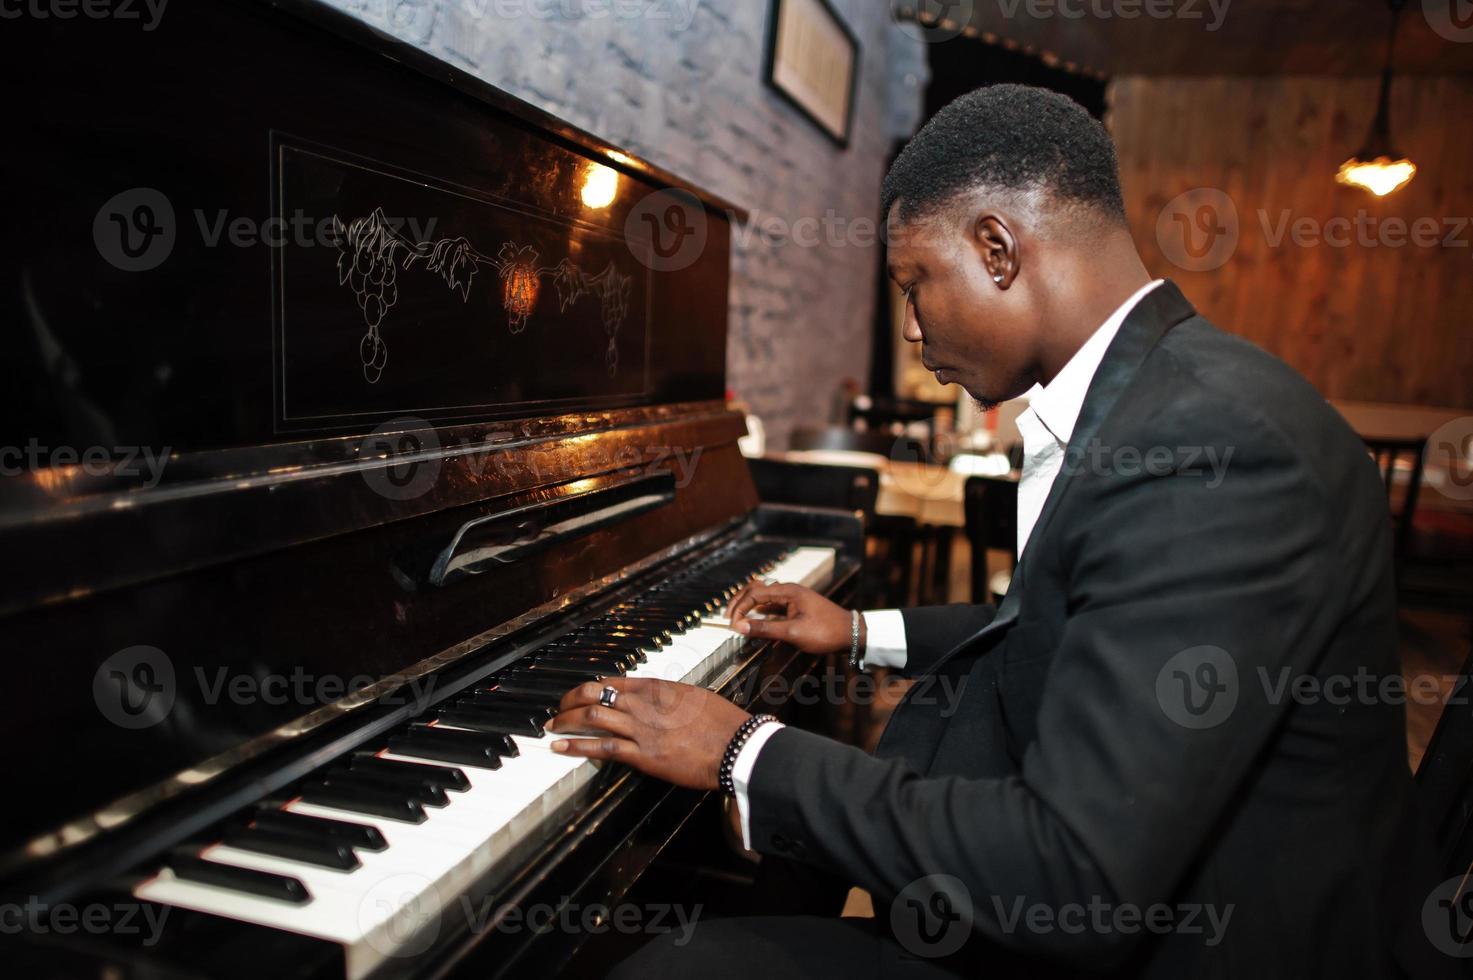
983	403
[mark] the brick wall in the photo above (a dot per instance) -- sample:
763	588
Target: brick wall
680	83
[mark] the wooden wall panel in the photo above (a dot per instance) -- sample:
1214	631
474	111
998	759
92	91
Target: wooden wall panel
1366	319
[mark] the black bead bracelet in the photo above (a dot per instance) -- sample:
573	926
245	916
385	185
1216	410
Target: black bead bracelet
734	748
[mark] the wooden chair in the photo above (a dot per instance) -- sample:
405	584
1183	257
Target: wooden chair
899	448
854	488
1386	453
1445	779
886	414
991	505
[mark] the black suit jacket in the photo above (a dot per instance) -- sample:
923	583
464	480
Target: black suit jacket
1122	733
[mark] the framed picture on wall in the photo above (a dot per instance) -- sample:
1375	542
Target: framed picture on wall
813	62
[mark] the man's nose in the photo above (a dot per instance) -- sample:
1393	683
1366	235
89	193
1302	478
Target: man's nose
911	331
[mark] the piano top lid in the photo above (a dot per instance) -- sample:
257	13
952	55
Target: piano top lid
401	52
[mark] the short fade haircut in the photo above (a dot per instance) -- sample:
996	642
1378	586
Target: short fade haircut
1009	138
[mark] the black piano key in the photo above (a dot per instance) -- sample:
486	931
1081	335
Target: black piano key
423	791
296	847
441	746
622	633
537	709
578	671
499	742
359	798
631	655
667	623
515	722
484	721
548	700
563	659
359	835
549	686
447	776
282	888
681	616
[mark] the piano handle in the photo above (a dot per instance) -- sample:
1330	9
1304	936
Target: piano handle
500	539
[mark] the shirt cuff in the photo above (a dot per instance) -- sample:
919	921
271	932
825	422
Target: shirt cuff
741	772
884	644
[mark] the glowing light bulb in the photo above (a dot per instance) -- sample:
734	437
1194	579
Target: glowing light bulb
1380	176
600	185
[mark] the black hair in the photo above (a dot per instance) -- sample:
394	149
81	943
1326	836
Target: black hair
1009	138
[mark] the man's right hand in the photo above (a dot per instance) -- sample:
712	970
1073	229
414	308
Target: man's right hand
796	615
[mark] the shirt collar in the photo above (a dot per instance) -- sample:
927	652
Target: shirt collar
1058	403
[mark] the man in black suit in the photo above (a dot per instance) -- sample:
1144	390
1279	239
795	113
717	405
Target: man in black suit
1168	752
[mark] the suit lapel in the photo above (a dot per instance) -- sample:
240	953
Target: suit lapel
1157	312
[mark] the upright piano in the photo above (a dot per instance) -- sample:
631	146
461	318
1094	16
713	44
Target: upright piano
355	410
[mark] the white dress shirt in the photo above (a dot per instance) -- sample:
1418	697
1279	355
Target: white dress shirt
1047	425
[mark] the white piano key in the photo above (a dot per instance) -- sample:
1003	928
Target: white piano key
380	910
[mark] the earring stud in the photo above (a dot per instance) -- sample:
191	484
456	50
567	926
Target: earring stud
997	278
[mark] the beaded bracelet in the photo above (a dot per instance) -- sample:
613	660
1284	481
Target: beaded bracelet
734	748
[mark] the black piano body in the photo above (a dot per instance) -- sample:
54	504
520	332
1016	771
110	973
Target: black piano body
342	388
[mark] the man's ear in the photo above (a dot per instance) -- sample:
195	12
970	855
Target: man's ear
997	247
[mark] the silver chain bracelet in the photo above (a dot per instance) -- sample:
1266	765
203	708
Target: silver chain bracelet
855	660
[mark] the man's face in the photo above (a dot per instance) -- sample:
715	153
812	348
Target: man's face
973	332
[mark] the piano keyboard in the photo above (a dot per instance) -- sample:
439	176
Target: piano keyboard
373	846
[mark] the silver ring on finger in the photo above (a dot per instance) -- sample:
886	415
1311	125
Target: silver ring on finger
607	697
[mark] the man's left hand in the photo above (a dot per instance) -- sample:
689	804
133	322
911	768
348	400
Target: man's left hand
675	732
